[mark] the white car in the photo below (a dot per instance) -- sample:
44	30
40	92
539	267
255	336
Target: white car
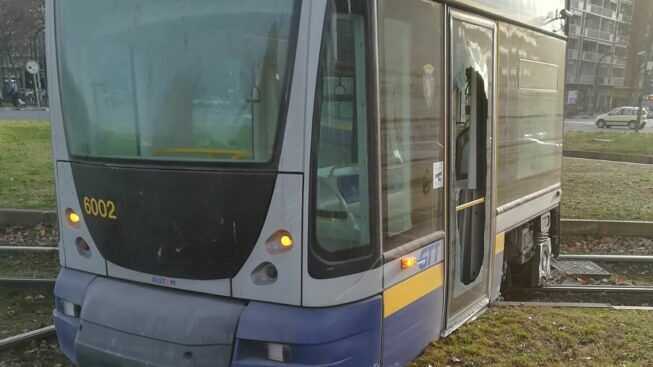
621	116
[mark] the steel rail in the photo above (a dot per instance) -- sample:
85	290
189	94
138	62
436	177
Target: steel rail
29	248
608	258
27	337
596	288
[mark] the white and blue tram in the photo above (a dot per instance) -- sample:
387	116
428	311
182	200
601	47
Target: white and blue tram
298	183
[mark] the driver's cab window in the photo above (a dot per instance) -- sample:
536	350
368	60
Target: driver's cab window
341	183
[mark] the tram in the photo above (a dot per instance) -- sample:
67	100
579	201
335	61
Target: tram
298	183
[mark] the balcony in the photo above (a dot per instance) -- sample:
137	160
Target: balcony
621	39
599	10
576	4
587	78
601	35
574	30
619	61
618	81
625	17
591	56
572	54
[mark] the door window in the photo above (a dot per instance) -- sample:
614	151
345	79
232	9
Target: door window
471	126
412	129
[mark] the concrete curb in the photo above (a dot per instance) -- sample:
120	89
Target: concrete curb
26	217
583	227
616	157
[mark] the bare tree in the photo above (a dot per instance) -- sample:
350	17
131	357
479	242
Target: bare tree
21	36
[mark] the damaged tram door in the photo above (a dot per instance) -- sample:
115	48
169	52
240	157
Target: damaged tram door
471	99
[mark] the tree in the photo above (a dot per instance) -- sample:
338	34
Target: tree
21	36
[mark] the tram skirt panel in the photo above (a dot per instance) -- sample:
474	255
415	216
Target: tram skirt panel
412	316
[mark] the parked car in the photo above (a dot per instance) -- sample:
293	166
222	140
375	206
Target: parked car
621	116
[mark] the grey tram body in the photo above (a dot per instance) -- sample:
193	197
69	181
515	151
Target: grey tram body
138	313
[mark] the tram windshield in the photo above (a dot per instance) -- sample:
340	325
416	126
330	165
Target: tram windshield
178	80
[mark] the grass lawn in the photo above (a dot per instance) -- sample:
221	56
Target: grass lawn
23	310
26	175
523	336
606	190
29	264
629	143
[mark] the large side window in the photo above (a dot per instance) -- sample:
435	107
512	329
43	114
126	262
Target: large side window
340	229
412	128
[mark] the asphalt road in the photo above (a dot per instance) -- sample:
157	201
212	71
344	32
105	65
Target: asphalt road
588	125
12	115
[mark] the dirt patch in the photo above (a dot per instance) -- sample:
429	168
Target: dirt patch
622	274
41	235
607	245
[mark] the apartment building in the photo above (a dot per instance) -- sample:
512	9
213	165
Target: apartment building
597	53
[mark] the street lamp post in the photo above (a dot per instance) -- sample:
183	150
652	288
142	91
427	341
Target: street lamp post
594	94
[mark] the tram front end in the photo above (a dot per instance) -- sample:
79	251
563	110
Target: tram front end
182	152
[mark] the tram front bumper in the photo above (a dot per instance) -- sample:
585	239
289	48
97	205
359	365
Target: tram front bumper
129	324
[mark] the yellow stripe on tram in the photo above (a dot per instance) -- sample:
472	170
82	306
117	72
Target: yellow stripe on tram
412	289
500	243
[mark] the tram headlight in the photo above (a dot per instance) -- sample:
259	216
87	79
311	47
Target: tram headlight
279	352
69	308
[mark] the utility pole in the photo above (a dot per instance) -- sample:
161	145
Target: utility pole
645	88
596	69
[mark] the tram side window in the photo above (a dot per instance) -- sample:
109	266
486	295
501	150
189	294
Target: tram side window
341	206
412	128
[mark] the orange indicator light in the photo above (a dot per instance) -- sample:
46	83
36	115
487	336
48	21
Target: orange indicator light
286	240
73	217
408	262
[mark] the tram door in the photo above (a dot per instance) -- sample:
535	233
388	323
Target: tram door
471	95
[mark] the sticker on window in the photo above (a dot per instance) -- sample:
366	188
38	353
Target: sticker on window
438	175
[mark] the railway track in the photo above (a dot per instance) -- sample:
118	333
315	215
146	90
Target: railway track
28	248
607	258
20	339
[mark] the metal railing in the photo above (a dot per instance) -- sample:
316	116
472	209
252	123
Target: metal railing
598	34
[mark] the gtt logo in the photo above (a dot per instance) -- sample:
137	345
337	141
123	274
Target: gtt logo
428	256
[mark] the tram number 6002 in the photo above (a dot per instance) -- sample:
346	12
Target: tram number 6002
100	208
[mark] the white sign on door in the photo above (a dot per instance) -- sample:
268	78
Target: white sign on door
438	175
